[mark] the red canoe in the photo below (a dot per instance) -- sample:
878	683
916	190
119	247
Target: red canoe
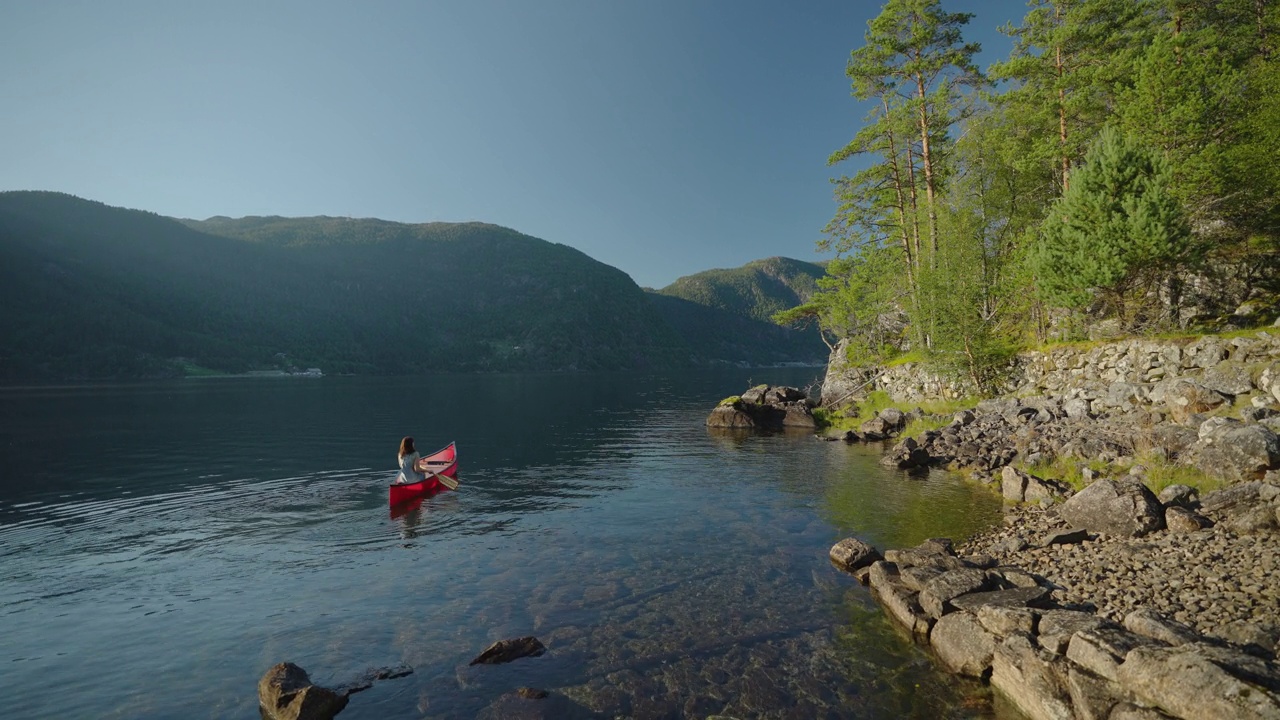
441	462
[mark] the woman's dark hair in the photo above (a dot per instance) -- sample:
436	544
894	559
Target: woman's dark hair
406	447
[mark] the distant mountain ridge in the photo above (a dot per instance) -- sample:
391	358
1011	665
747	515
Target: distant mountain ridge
757	290
91	292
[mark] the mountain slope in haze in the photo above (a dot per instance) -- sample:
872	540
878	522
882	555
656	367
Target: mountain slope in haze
756	290
724	315
90	291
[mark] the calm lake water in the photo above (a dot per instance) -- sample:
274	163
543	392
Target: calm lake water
162	545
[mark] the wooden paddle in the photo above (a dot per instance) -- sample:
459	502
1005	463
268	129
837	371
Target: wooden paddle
445	480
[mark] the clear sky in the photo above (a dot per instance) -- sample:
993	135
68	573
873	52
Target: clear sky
663	137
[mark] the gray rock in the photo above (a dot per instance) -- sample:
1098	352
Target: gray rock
755	395
937	593
1238	452
1228	378
1149	623
1186	683
1125	508
1239	496
883	573
1181	520
1129	711
285	692
1093	697
1250	521
917	576
1216	426
1077	409
1185	399
1103	649
1006	577
1183	495
731	417
963	645
1058	626
851	553
1005	621
902	605
504	651
1246	634
798	415
894	418
1031	679
1016	597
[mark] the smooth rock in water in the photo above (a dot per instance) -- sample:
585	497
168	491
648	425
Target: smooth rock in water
962	644
799	416
851	554
730	416
285	692
505	651
1125	508
1186	683
755	395
1181	520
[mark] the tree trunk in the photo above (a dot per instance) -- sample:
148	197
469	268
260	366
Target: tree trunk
927	161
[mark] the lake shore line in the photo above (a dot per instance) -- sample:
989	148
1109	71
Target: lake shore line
1106	602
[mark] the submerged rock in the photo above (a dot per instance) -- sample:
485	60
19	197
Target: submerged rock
505	651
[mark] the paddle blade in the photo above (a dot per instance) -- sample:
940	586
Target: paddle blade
446	481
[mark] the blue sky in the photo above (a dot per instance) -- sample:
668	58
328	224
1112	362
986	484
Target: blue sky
662	137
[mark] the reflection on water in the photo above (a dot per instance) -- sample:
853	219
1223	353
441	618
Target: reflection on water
204	531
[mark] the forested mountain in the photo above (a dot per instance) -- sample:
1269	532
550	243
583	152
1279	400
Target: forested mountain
756	290
91	291
1116	174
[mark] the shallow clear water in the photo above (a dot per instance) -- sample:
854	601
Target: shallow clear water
162	545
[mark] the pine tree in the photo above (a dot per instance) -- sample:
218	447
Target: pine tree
1115	235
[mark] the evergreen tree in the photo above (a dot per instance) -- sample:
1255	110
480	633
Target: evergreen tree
1115	235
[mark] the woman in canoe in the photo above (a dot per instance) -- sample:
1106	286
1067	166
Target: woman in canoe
407	457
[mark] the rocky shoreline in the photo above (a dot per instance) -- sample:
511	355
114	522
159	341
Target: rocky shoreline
1107	602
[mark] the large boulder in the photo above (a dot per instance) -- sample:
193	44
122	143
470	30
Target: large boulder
285	692
1236	451
1124	508
963	645
732	415
763	407
1032	679
1195	683
851	554
1228	378
1186	398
